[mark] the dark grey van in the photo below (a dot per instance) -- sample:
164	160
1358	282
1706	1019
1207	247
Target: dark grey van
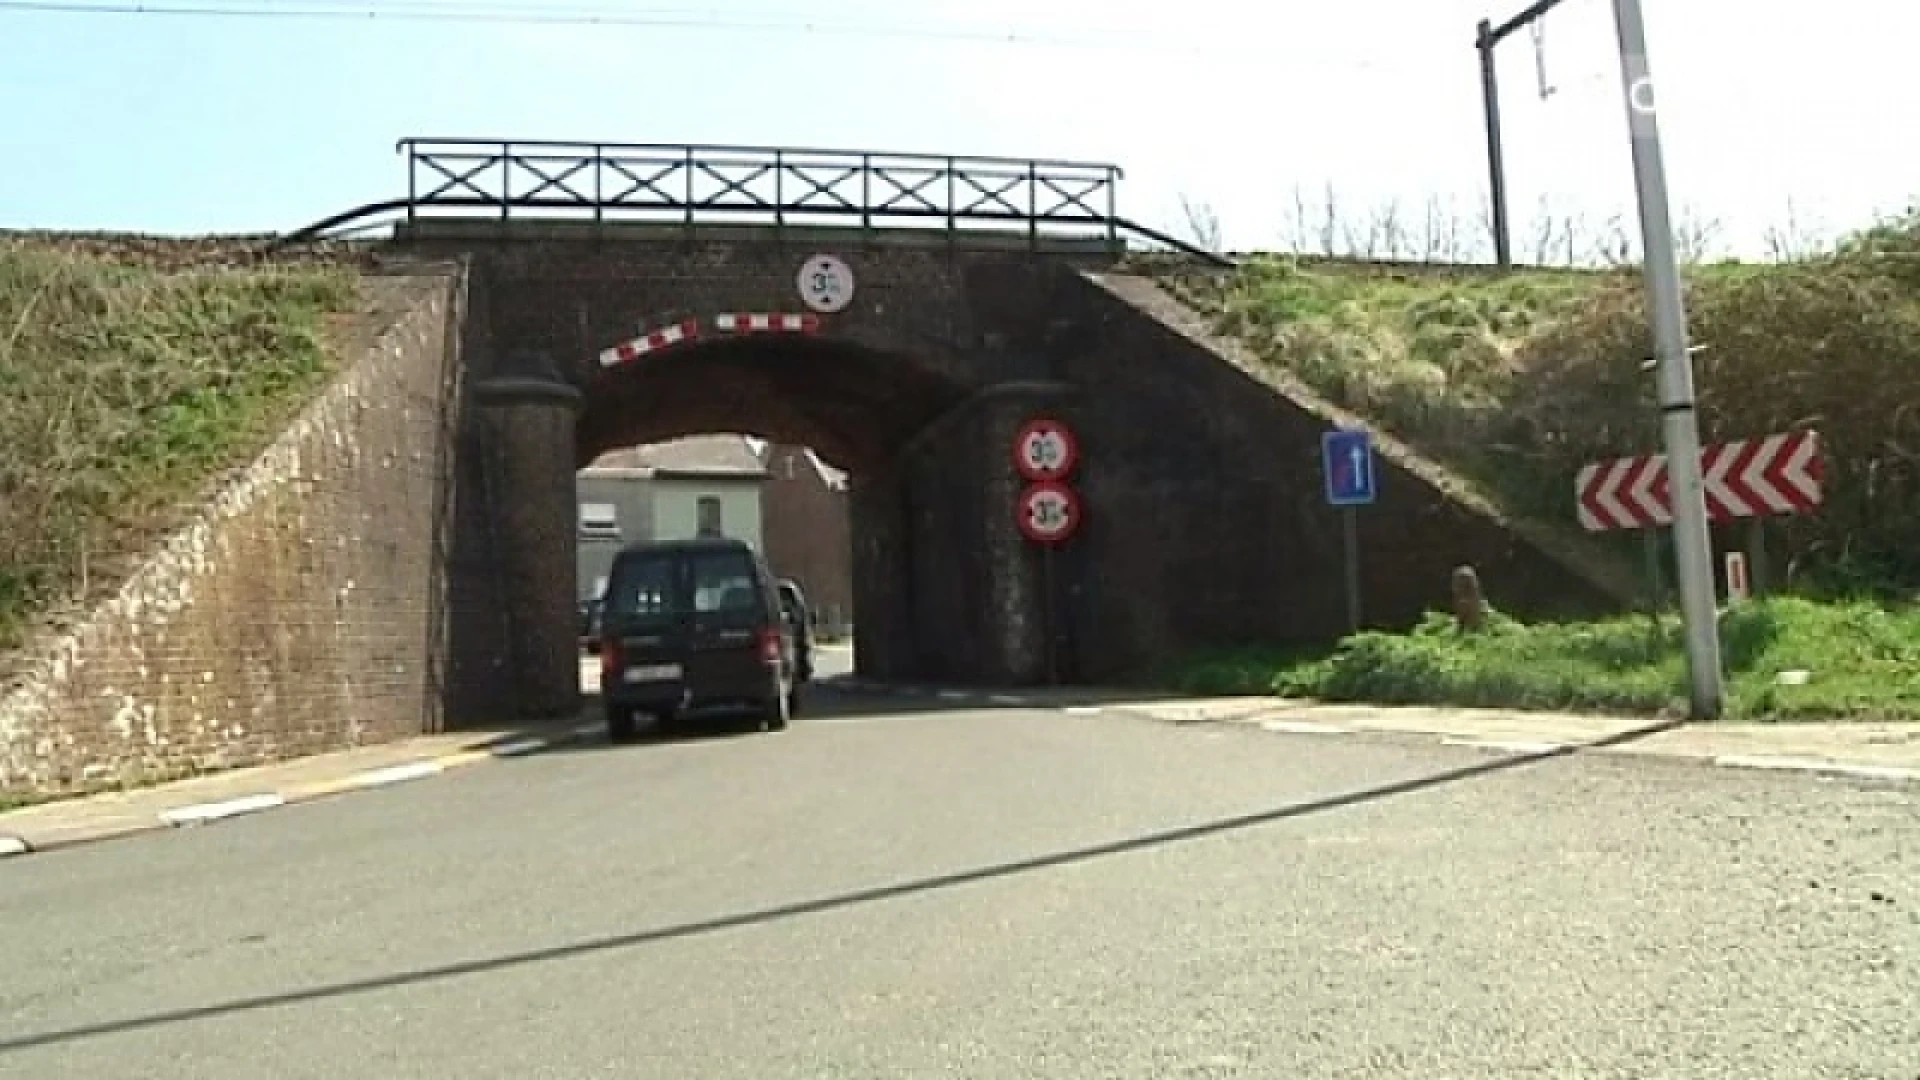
689	624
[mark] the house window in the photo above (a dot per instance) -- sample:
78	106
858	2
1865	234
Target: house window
599	521
708	510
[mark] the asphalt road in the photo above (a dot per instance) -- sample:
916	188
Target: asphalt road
1020	894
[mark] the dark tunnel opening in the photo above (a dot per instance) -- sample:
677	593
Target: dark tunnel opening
855	406
857	409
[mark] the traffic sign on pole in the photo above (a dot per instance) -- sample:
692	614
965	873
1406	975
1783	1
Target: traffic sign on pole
1346	460
1045	449
1048	513
1692	543
1346	457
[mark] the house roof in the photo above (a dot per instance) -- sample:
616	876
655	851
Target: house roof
701	455
833	478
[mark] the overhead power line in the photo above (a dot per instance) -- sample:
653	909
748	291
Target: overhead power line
482	12
528	15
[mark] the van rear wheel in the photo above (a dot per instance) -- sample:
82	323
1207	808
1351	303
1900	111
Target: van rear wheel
620	723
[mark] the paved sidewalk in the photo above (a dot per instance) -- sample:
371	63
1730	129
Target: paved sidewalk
208	798
1882	751
1873	751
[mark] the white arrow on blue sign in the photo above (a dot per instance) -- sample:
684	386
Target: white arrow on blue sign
1346	457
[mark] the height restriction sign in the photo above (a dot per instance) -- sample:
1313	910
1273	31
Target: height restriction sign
1045	449
1048	512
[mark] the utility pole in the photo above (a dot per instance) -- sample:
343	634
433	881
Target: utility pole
1693	546
1496	165
1489	36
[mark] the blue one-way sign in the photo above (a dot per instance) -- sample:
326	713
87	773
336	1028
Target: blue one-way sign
1346	456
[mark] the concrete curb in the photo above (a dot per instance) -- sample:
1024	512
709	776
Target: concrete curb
197	814
1251	714
1543	748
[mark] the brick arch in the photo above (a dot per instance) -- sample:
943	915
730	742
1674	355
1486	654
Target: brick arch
854	404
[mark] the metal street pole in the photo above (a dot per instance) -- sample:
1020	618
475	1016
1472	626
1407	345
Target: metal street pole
1496	165
1693	546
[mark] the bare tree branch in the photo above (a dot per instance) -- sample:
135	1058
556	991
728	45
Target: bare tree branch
1203	225
1793	239
1696	239
1330	224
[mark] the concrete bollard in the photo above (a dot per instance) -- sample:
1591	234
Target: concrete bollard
1469	602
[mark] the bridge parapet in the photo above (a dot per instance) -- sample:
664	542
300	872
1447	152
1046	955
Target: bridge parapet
640	182
602	186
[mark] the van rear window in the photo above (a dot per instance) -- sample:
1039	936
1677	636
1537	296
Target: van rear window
642	586
723	581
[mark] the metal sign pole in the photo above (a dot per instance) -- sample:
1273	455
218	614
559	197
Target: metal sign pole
1049	619
1693	548
1350	525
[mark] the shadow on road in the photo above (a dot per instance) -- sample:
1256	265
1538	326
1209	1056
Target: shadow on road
815	906
838	697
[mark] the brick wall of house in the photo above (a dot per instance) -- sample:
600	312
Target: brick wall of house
807	526
302	611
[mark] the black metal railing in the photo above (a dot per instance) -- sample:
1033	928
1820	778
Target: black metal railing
606	182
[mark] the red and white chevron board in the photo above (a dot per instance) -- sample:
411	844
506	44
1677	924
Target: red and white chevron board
1778	474
757	323
652	341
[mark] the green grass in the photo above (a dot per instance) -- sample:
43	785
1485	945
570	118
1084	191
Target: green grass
1515	380
1863	662
123	389
1427	355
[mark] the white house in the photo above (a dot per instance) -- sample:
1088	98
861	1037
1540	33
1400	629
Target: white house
704	485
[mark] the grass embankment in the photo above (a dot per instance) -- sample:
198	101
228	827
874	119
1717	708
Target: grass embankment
124	387
1861	662
1516	380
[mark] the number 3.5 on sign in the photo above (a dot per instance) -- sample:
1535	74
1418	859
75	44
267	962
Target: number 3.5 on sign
825	284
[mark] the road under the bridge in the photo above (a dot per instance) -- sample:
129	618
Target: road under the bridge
904	888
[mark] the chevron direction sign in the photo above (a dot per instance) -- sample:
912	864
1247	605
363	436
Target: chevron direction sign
1778	474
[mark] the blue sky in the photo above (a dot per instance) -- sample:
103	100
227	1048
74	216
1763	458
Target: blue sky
185	125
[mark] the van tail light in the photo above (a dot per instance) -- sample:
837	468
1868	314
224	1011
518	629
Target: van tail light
770	646
610	656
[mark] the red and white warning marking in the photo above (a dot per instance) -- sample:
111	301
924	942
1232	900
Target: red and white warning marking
652	341
734	322
1738	587
1777	474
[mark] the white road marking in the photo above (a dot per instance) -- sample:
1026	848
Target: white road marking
1816	765
204	812
1510	746
1875	772
1766	761
13	845
1007	699
520	746
1082	710
1303	727
395	774
953	695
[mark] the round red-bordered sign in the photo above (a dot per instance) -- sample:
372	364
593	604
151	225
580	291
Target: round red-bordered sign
1045	449
1048	512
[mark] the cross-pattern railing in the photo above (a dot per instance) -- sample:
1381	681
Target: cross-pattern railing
607	182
